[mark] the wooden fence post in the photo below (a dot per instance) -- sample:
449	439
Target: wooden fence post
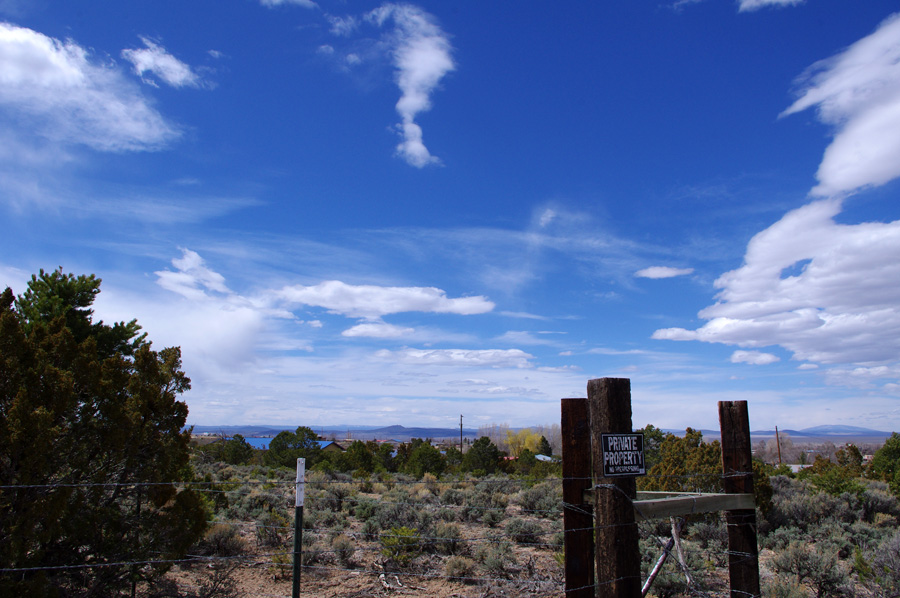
737	469
578	519
617	552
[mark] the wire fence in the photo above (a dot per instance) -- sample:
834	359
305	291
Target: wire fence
455	536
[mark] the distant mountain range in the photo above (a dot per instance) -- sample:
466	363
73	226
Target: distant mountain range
833	433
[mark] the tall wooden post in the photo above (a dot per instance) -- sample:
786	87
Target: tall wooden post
617	552
578	519
737	469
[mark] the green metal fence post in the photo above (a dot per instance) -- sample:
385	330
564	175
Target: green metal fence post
298	524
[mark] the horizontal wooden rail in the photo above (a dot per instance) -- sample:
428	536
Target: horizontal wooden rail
658	505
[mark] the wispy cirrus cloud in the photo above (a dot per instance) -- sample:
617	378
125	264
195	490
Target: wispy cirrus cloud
154	59
378	330
858	93
459	357
663	272
303	3
422	56
56	89
370	301
753	357
751	5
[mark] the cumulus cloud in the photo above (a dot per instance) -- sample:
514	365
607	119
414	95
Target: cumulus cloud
57	90
191	277
497	358
753	357
825	291
663	272
156	60
858	93
750	5
369	301
422	56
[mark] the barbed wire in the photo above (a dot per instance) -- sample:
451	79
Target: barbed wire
313	481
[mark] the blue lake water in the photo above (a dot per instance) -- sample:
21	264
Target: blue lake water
259	443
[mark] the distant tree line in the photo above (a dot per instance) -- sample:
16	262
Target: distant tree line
416	457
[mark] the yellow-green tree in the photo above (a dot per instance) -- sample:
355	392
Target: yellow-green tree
521	440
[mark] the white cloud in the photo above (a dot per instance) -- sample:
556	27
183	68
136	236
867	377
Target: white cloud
369	301
825	291
858	93
303	3
750	5
524	337
422	56
66	97
753	357
497	358
156	60
342	26
191	277
378	330
663	272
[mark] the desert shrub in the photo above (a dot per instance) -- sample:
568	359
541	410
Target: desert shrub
311	555
865	536
445	514
524	531
272	529
343	548
312	518
460	567
833	537
801	506
498	484
260	501
492	517
401	544
708	533
883	574
558	540
496	558
371	530
453	496
780	538
878	500
395	514
447	538
545	499
221	540
783	586
334	496
818	568
365	508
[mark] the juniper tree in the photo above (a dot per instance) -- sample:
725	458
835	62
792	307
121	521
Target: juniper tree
92	446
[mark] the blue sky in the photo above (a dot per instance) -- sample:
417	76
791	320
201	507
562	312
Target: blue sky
363	213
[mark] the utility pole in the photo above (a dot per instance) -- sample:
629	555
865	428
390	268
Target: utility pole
460	434
778	443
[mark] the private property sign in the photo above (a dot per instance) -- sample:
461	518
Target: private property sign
623	455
